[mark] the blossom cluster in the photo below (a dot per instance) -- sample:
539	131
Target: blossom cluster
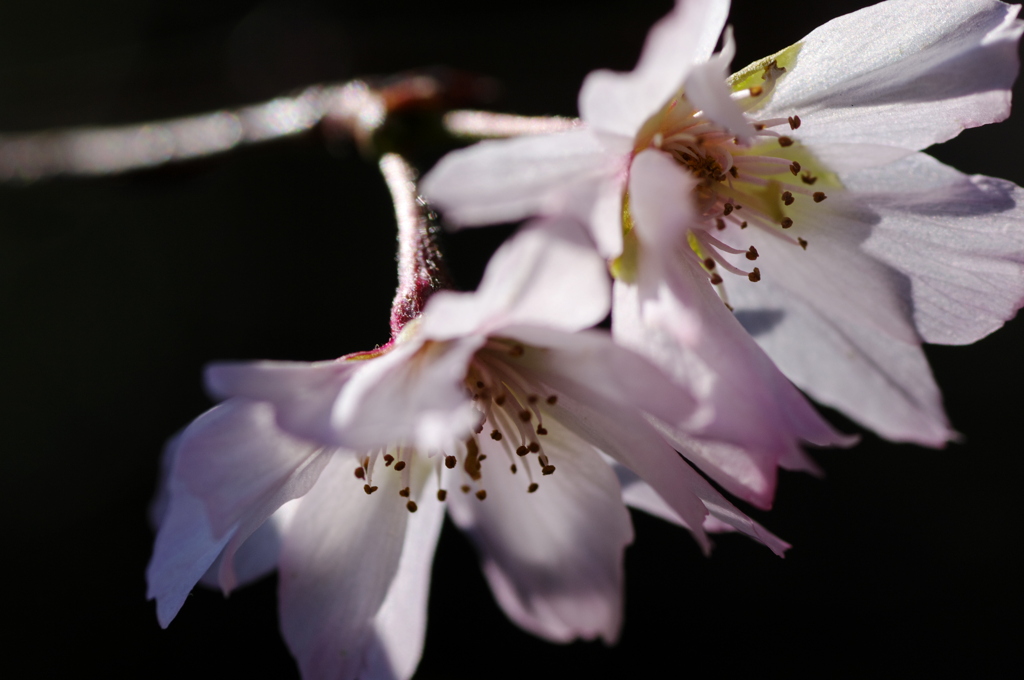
751	236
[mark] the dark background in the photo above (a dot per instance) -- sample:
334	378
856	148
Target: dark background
115	292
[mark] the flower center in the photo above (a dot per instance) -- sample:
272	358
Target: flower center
510	414
767	182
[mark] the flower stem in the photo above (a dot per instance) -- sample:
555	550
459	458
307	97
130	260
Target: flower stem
421	269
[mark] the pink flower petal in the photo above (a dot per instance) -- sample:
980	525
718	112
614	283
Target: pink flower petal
958	239
343	555
546	275
881	383
554	557
622	102
512	179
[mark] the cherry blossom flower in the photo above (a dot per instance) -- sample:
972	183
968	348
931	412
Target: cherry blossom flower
795	192
498	405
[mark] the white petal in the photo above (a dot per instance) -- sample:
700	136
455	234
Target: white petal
243	468
959	240
755	409
722	515
881	383
660	199
707	90
235	459
341	557
303	394
547	275
621	432
553	558
833	274
259	554
910	73
400	625
841	158
415	394
592	362
184	550
512	179
622	102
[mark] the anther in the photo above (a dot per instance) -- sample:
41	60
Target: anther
525	415
752	253
522	451
709	263
719	223
360	473
808	179
734	172
495	435
743	225
715	279
819	196
532	399
794	122
369	489
513	468
479	384
465	488
727	209
481	494
534	447
787	198
388	459
541	429
404	493
553	399
533	487
411	506
786	223
547	469
794	168
399	466
785	141
441	495
755	275
803	243
499	400
450	462
756	91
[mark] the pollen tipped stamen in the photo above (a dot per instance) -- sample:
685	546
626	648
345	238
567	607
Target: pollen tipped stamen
713	246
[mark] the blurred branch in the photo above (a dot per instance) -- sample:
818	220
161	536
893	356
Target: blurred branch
355	109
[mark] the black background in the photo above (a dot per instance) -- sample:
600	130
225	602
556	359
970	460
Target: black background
115	292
